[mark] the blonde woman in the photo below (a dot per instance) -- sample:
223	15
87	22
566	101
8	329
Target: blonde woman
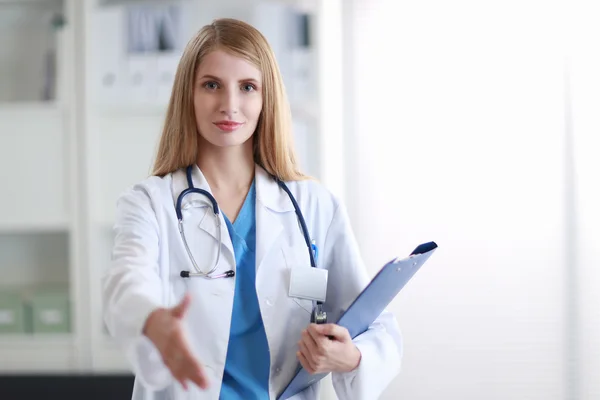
200	292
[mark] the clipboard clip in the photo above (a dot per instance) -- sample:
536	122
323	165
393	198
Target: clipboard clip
318	316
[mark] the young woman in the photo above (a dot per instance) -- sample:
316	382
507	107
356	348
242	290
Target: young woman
207	248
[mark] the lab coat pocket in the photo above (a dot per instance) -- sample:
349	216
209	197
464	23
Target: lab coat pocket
295	259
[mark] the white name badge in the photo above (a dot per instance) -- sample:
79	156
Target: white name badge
308	283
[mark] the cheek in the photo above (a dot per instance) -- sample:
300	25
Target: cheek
200	113
201	109
253	109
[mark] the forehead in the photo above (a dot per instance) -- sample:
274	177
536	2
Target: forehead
226	66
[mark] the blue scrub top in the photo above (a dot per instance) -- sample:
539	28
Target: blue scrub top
246	375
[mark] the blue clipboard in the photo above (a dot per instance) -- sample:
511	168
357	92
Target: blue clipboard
369	304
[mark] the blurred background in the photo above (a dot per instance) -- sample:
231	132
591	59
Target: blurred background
471	123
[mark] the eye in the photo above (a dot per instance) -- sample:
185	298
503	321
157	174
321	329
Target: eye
248	87
211	85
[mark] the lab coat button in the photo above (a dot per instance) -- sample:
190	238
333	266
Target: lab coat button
269	302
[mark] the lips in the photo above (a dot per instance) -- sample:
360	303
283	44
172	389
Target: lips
228	126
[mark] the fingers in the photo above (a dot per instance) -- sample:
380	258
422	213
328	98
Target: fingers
184	368
323	348
313	350
198	375
305	352
322	339
312	336
177	368
318	346
180	309
167	332
304	362
183	365
337	332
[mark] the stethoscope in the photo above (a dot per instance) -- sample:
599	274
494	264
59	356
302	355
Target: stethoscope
318	315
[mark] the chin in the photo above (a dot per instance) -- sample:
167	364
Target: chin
228	139
227	143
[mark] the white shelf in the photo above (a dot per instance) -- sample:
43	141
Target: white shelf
31	50
34	159
28	226
25	2
29	106
15	110
132	109
110	358
36	353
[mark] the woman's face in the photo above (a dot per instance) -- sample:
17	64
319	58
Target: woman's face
227	99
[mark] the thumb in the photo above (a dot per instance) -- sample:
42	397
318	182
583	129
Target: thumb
333	331
180	309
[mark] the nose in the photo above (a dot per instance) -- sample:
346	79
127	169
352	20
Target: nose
230	102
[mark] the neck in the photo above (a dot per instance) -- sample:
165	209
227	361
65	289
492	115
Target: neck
227	168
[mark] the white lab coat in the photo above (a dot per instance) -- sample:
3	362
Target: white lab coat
149	254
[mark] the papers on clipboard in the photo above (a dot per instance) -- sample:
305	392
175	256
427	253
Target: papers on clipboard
369	304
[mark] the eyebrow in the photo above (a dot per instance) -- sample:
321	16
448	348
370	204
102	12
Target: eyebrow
219	79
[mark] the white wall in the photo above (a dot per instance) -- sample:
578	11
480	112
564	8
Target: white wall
584	62
457	131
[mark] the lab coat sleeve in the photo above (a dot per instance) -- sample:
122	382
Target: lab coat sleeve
131	287
381	344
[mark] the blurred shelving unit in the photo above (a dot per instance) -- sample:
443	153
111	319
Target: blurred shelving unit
38	205
32	354
82	103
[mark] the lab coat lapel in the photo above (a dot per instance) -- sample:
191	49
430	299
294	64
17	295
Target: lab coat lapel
271	200
268	229
208	222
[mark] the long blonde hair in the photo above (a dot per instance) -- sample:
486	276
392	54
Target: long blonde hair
273	144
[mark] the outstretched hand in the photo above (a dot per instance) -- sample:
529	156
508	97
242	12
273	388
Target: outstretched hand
164	328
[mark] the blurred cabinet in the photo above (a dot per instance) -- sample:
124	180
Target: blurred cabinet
38	219
34	153
84	86
36	74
